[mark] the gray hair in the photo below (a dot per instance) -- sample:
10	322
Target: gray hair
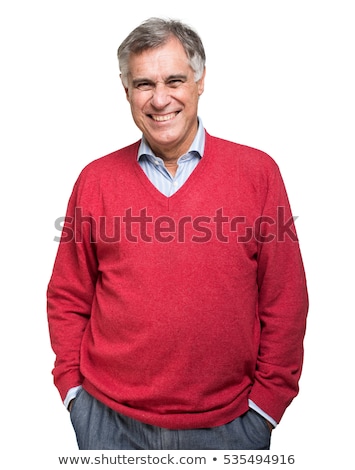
155	32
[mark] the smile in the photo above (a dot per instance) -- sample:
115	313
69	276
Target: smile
163	118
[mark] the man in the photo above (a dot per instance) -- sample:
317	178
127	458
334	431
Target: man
178	301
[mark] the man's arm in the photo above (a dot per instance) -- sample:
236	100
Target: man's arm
70	293
282	306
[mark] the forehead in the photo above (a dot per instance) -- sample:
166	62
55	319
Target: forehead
166	59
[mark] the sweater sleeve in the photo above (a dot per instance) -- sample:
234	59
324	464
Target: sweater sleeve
70	292
282	304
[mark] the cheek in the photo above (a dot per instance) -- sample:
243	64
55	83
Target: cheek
190	95
137	107
136	100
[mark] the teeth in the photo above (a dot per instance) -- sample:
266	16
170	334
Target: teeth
166	117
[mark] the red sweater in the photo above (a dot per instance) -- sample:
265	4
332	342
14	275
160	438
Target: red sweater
174	311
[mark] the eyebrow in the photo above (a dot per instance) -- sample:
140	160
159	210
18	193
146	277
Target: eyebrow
178	76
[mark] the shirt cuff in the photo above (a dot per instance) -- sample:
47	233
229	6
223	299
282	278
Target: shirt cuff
72	393
255	407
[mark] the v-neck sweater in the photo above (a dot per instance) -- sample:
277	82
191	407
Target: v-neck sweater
177	310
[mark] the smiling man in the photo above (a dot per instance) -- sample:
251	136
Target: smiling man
177	306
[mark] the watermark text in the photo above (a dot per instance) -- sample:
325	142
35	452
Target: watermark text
139	226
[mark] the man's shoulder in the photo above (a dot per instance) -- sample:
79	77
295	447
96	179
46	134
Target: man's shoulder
113	160
114	163
244	153
241	154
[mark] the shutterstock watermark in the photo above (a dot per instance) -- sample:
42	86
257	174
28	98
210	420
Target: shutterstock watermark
142	227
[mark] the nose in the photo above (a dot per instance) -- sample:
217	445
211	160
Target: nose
161	96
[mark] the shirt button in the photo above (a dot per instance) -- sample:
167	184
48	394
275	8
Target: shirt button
175	183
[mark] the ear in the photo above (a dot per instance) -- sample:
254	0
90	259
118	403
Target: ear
201	83
125	87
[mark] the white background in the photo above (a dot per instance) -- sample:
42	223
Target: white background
280	77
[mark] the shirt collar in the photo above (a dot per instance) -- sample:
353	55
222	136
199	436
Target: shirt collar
198	144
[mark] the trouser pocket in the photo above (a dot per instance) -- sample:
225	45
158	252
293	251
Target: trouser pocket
256	430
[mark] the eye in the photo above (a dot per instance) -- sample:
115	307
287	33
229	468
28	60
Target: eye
144	86
174	83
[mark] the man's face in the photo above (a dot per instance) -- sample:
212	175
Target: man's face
164	97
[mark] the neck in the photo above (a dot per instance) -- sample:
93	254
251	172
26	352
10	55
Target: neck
171	165
170	155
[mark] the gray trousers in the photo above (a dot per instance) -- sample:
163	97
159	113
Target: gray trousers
98	427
